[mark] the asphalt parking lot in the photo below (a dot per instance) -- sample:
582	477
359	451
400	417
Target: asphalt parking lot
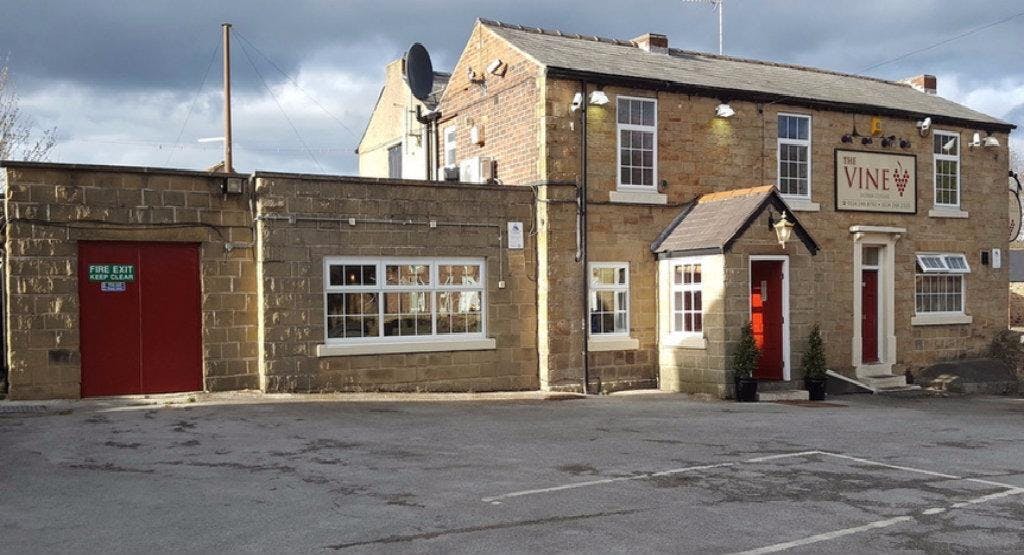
606	474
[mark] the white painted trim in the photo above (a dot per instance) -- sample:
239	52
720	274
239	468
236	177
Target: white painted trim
885	238
947	212
637	197
940	319
617	288
598	343
633	127
799	204
786	366
950	158
678	341
779	141
396	347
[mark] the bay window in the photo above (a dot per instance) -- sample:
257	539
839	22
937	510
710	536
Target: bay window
386	300
637	128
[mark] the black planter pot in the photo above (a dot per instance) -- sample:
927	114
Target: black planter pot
746	390
815	388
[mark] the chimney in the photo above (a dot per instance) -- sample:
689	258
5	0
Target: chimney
652	42
924	83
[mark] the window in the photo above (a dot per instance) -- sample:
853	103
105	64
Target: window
687	304
395	161
402	299
946	148
940	283
609	299
449	146
638	142
795	155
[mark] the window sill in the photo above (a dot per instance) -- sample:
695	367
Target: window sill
387	348
685	342
797	204
943	212
940	319
597	344
637	197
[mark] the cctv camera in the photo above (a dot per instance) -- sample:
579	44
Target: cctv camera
577	101
924	125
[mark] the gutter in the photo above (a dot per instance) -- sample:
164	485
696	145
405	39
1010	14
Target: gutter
583	258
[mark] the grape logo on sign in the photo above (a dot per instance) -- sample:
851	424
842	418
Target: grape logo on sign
901	176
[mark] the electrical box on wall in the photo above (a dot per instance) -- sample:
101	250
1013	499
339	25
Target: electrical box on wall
997	259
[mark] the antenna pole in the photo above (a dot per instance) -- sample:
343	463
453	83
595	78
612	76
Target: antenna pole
721	9
226	27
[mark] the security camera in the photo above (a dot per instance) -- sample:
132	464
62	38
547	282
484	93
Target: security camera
497	67
975	141
924	125
577	101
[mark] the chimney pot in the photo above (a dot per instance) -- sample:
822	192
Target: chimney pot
652	42
924	83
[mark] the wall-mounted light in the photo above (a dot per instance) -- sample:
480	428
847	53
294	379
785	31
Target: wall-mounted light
887	141
783	228
991	142
847	138
598	98
866	141
723	110
904	143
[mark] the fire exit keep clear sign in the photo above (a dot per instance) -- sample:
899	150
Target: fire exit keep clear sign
111	272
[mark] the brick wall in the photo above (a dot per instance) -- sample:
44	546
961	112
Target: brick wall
50	208
505	107
292	257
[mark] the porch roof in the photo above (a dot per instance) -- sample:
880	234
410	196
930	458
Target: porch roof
712	222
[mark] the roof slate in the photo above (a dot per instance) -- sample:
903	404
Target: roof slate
622	58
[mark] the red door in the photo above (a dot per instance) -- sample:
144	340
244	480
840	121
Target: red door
140	324
869	315
766	316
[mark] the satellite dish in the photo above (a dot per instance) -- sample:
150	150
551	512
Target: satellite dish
419	71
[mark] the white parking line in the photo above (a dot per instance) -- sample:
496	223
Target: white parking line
893	466
775	548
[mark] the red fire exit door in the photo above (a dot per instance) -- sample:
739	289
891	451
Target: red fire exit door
766	317
140	319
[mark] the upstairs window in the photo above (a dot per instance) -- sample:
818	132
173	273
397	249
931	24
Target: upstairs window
794	155
609	299
395	161
946	149
638	142
449	146
940	283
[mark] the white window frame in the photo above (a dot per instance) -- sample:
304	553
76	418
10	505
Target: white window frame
381	288
939	266
674	288
936	158
780	141
619	127
592	290
450	140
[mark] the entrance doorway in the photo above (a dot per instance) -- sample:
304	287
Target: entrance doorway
869	298
769	304
140	318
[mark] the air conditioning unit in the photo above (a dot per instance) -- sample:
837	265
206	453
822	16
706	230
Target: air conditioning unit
476	170
450	173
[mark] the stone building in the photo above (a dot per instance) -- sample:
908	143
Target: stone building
642	204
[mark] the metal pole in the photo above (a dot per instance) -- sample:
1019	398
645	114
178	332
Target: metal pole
721	9
228	168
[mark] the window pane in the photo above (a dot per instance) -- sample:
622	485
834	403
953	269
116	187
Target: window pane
355	275
418	274
407	314
468	275
696	273
648	118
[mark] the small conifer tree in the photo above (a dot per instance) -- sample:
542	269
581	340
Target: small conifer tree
814	356
744	359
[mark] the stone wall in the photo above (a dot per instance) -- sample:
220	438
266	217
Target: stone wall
50	207
468	219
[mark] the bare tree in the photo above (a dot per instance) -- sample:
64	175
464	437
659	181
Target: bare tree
1016	156
18	135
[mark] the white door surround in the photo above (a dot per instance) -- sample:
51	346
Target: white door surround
885	239
786	366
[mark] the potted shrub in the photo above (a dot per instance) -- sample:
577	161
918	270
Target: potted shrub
815	376
744	362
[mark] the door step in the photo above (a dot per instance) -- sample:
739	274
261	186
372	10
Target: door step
885	381
785	395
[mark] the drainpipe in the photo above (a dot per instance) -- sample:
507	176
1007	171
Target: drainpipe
429	123
583	236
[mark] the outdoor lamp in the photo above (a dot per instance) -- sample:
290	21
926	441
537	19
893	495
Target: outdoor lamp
991	142
783	229
723	110
598	98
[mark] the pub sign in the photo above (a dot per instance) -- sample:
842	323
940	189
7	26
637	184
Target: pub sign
876	182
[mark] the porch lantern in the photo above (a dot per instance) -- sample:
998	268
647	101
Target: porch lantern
783	229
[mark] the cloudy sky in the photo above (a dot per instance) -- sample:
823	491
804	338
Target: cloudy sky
121	79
